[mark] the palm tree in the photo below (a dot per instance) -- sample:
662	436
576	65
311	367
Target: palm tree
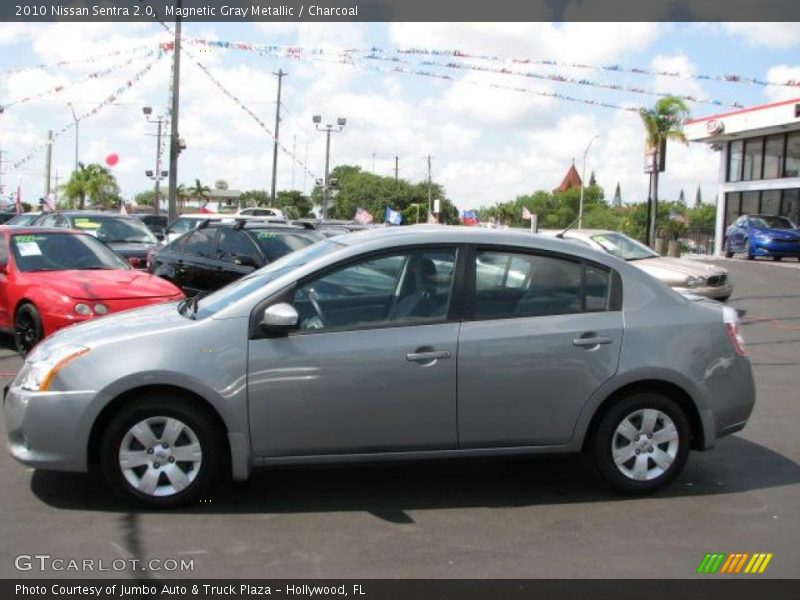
199	191
93	181
663	122
182	195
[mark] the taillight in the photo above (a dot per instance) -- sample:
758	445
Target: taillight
731	319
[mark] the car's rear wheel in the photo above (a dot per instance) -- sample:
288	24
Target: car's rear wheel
641	443
728	251
28	329
776	258
161	451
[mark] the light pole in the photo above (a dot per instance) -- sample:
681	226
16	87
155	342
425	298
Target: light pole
77	132
583	179
327	129
158	174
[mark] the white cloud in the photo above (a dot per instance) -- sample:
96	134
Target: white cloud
772	35
783	73
685	84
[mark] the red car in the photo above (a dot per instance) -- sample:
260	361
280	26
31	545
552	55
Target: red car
53	278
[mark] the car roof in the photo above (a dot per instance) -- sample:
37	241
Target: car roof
33	230
87	213
250	225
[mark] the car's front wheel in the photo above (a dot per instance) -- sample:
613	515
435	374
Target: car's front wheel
641	443
728	251
28	328
161	451
746	254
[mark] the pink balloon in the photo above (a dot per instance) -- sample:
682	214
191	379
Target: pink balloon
112	159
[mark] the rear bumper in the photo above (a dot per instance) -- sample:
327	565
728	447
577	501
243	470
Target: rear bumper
731	396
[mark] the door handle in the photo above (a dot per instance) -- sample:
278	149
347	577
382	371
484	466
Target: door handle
590	342
427	356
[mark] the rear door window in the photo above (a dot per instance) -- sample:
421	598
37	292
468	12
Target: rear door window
200	243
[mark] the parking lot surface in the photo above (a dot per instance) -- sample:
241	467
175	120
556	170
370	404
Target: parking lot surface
500	518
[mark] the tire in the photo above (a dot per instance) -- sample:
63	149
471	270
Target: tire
157	477
723	299
728	252
746	250
28	329
777	258
634	475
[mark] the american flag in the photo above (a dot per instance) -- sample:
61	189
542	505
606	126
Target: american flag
526	214
362	216
432	218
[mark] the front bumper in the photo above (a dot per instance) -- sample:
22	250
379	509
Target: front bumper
775	248
45	429
714	292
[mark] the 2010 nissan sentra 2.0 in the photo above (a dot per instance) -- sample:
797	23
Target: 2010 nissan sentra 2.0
408	342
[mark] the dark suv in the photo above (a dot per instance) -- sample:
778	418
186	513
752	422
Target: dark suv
215	254
127	236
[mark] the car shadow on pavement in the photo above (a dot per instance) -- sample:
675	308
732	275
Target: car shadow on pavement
388	490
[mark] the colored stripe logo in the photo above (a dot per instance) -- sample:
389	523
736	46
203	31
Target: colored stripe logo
734	563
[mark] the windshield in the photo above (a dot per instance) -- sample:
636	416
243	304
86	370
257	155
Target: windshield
115	229
22	220
237	290
62	252
621	246
771	222
276	244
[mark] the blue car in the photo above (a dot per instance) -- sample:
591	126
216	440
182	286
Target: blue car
762	235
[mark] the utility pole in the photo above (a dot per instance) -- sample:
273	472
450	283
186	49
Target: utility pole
294	153
158	174
430	201
280	75
373	162
48	162
305	169
174	145
77	133
583	181
396	166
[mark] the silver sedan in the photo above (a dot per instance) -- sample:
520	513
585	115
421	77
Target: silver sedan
407	342
683	275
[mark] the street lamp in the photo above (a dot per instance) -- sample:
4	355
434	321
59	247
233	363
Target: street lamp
327	129
77	132
583	179
156	175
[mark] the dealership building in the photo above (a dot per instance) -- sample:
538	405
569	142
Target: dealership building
759	168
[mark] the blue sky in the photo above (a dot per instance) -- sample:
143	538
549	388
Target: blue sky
488	144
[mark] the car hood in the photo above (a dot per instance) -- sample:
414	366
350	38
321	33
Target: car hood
112	284
128	324
676	269
780	234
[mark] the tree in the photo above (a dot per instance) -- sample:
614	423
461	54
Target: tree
294	204
682	198
199	191
145	198
182	195
698	198
592	180
663	122
254	198
92	181
617	201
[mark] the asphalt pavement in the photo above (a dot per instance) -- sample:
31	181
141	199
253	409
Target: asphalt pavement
500	518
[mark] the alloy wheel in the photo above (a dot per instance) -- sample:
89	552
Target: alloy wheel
644	444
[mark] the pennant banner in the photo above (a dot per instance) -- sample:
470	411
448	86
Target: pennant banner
62	87
90	113
79	61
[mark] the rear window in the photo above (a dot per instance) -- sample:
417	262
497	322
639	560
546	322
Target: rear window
275	244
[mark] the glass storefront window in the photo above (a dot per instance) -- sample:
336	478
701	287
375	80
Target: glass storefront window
735	160
773	157
770	202
750	203
793	155
790	205
753	149
732	207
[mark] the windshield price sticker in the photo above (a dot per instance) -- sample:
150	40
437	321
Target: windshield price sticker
265	235
87	224
29	248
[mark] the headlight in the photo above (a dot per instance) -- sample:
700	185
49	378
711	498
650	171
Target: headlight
100	309
695	281
762	237
83	309
37	373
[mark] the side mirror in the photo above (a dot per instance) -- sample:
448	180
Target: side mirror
280	318
161	234
244	261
